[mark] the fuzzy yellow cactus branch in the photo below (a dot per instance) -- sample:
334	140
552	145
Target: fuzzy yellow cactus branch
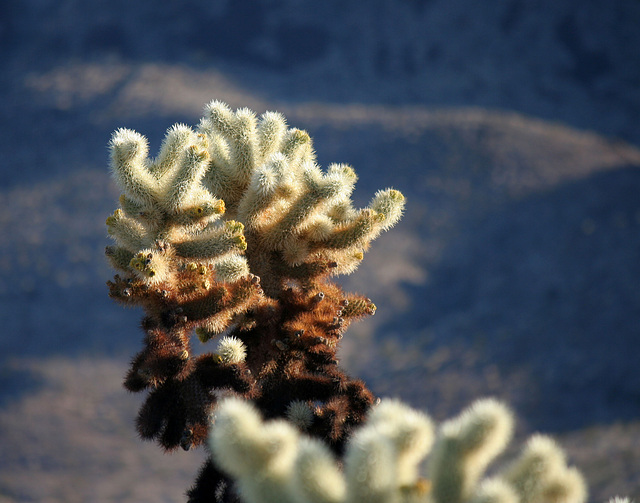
165	212
383	458
293	212
465	447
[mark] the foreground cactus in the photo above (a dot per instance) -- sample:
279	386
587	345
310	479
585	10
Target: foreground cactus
273	463
234	228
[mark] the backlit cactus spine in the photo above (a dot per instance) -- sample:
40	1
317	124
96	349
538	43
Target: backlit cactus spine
299	221
272	462
167	219
234	228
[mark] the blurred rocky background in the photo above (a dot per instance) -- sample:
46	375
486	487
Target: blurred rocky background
512	127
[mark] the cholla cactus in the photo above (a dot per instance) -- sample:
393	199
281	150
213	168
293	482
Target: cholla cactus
234	228
273	463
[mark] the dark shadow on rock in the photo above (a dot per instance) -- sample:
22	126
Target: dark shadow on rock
550	284
53	320
16	382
